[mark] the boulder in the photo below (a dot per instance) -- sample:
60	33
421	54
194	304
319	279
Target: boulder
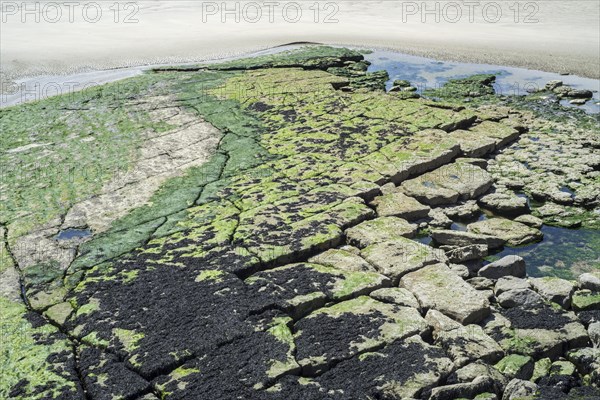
473	144
594	332
590	280
530	220
460	270
514	233
562	368
516	366
468	210
398	257
479	385
398	204
504	203
519	389
510	265
541	369
585	300
554	289
437	287
519	297
458	254
460	238
462	343
507	283
470	372
481	283
379	230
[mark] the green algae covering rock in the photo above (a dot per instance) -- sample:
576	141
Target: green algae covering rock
398	204
448	184
514	233
438	288
332	334
37	360
380	230
397	257
463	343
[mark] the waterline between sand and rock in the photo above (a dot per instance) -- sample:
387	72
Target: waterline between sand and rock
286	262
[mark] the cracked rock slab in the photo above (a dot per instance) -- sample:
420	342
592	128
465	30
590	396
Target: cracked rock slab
395	258
437	287
448	184
380	230
304	287
463	343
332	334
514	233
398	204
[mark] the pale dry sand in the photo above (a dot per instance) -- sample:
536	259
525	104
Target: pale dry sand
565	38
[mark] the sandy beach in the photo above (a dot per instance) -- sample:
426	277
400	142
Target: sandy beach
551	36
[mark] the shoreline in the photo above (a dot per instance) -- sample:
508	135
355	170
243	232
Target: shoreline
38	87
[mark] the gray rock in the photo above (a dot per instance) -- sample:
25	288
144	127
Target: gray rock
514	233
460	238
578	102
530	220
586	359
519	297
504	203
345	259
468	210
516	366
399	296
554	289
379	230
481	283
471	371
438	288
594	333
551	85
519	389
509	265
460	270
458	254
462	343
448	184
439	220
590	280
507	283
398	257
398	204
481	384
584	300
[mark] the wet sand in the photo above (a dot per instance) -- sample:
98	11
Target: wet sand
564	39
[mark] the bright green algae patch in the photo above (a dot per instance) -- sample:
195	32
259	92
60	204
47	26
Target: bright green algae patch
24	356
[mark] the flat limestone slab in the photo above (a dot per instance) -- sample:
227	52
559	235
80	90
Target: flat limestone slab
448	184
380	230
396	258
514	233
437	287
398	204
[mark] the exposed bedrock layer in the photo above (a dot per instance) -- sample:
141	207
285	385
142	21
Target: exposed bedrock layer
263	239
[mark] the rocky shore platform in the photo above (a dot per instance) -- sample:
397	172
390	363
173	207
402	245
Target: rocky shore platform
283	227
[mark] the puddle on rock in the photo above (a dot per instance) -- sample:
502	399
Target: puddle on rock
73	233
